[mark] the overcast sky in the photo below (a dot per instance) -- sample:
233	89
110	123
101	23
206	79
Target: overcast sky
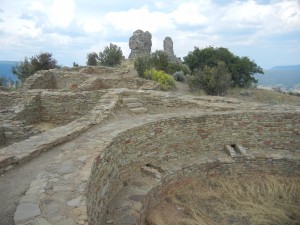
267	31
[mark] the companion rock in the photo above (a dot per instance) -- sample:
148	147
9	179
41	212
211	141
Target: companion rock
168	48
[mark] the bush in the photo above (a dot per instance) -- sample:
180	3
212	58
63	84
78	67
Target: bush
92	59
174	67
242	69
179	76
141	64
160	60
111	56
213	80
42	61
166	81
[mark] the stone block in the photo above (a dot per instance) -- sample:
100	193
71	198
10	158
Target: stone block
134	105
139	110
26	211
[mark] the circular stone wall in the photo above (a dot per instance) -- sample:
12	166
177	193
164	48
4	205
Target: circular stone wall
193	136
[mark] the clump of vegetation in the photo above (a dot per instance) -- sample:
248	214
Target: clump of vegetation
141	64
165	80
213	80
173	67
75	64
42	61
160	60
242	69
111	56
92	59
179	76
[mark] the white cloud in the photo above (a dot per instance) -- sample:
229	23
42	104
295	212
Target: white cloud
142	18
189	13
72	25
62	13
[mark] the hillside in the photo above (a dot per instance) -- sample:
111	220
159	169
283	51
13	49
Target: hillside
291	67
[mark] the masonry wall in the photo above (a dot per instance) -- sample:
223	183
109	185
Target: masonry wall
2	138
177	138
21	110
62	107
43	79
8	99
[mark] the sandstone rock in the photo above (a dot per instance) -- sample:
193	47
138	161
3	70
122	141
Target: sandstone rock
168	48
140	43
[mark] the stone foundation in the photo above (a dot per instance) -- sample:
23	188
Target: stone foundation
86	79
179	138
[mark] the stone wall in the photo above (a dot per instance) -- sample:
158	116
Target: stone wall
62	107
86	79
183	137
43	79
9	99
21	110
2	137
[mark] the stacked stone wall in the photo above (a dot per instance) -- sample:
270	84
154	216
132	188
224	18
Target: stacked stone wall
181	137
2	137
69	80
43	79
9	99
156	98
21	111
63	107
85	79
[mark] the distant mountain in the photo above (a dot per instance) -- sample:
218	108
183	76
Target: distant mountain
292	67
5	69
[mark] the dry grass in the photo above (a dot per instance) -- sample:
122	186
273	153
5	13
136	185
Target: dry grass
264	96
260	200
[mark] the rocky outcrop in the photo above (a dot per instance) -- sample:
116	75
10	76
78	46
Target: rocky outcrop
168	48
140	43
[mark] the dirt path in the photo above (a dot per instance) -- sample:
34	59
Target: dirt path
181	89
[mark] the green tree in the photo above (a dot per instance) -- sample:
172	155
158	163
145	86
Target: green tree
28	67
75	64
92	59
213	80
141	64
160	60
174	67
111	56
242	69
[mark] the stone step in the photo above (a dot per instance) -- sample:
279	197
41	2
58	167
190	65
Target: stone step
130	100
134	105
139	110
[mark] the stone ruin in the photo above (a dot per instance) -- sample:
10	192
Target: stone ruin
140	43
168	48
125	143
